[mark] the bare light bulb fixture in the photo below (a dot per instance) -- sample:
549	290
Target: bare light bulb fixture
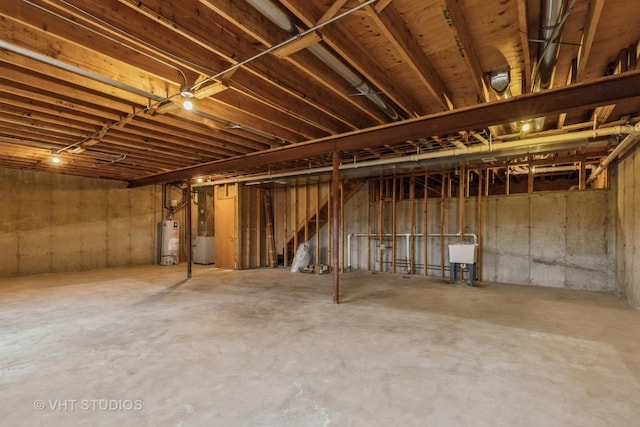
187	94
55	158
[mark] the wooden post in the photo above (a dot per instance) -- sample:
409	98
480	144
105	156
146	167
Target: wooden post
486	183
305	213
188	237
530	177
342	239
271	244
412	230
336	188
380	224
393	223
444	180
425	226
285	232
369	224
508	183
461	175
317	223
583	174
479	222
296	221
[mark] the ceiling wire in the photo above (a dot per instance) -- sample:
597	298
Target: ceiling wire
112	39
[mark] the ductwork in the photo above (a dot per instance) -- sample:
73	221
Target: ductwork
551	24
552	20
282	20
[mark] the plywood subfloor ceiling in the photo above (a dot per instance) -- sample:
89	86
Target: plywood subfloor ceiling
99	83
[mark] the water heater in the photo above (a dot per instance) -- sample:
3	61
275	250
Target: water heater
170	243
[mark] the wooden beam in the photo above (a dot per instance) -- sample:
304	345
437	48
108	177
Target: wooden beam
460	30
391	25
524	42
341	41
588	36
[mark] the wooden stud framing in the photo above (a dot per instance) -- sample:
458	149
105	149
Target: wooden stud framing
371	187
285	232
479	225
461	203
442	194
342	239
530	176
317	223
380	224
335	188
394	183
412	239
425	223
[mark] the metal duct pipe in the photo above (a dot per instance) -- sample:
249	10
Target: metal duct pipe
631	139
550	27
282	20
568	140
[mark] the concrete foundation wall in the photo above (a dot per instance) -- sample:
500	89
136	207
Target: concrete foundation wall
626	182
56	223
558	239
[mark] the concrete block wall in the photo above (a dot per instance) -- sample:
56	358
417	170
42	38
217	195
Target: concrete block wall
626	182
56	223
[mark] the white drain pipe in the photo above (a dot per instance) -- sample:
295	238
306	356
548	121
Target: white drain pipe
631	139
408	242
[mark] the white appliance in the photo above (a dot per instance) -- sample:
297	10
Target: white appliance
170	243
203	250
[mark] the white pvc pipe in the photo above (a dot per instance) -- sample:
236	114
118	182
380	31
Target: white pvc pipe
632	138
407	236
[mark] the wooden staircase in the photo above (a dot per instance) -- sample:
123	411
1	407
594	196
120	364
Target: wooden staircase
349	188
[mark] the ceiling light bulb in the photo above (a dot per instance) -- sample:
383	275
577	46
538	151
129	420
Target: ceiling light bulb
526	127
199	180
187	104
55	158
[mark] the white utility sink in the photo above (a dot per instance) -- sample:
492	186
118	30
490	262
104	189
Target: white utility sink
462	253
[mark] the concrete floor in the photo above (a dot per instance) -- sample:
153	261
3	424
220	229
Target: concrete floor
142	346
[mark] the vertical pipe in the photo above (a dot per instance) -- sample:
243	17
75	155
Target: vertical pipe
425	225
444	181
393	222
583	173
335	243
188	228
